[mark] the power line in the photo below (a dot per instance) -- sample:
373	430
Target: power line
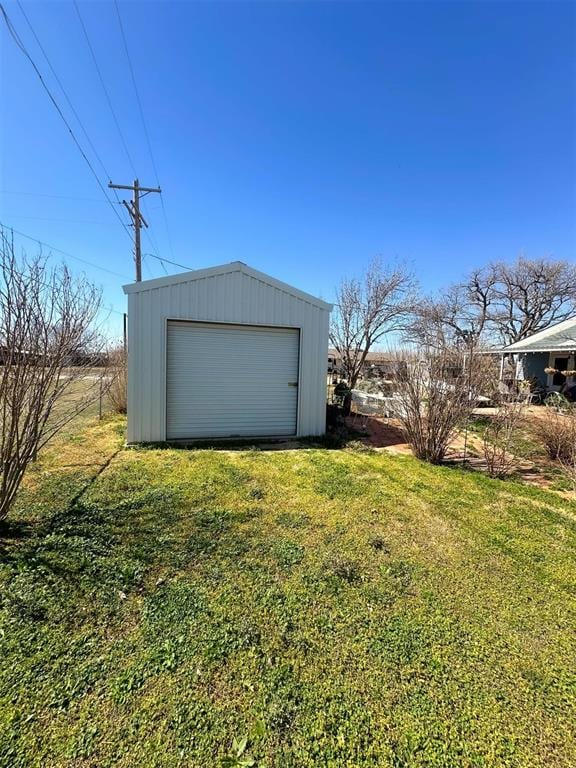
55	75
149	233
151	238
110	107
147	266
56	197
147	135
164	268
167	261
144	125
74	112
61	221
105	89
64	253
23	49
85	261
109	308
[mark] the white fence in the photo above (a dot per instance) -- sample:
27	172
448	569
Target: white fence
375	405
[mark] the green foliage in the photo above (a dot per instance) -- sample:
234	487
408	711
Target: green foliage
359	447
238	758
286	609
557	401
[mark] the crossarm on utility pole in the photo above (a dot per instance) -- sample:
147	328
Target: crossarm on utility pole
131	187
137	219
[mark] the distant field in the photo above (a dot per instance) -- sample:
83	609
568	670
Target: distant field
335	608
87	387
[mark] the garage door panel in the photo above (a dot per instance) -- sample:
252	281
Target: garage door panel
228	381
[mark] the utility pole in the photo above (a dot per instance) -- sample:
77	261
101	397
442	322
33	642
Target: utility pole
133	208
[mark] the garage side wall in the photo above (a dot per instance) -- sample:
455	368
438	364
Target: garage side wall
232	297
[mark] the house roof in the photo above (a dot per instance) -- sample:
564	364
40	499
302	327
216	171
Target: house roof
557	338
371	357
222	269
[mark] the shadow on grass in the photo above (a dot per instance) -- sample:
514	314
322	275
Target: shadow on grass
94	477
20	530
15	530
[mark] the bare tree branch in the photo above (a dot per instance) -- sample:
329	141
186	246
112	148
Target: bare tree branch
500	303
436	393
48	343
367	309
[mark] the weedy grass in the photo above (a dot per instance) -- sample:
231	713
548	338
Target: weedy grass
287	609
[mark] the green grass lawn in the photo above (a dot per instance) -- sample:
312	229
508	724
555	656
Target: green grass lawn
331	607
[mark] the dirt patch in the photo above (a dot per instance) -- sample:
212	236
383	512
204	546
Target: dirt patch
378	433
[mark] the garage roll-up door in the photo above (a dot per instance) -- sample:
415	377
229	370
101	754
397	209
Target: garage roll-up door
231	380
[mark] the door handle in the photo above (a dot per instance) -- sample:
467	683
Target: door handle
292	383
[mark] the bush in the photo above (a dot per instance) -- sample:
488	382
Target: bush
498	440
557	431
118	391
557	401
435	396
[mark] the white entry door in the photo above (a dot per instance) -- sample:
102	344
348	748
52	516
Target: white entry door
231	380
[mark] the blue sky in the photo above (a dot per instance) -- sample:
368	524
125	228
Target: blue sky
301	138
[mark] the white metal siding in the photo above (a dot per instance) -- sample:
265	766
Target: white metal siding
230	380
237	295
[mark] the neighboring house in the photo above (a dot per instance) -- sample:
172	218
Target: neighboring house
545	354
334	366
8	356
272	337
376	365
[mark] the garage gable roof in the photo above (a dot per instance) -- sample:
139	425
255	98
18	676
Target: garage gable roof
234	266
557	338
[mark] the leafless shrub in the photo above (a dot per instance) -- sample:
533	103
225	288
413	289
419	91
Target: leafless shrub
49	346
435	395
499	435
567	459
557	430
118	384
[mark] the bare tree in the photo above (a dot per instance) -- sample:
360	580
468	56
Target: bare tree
435	395
48	344
366	310
529	295
502	302
443	322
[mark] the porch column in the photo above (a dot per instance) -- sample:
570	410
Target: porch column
501	367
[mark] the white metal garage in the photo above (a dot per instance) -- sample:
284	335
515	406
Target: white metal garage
225	352
231	380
